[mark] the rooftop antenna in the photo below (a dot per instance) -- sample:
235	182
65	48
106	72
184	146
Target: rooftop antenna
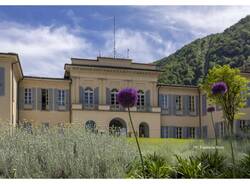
114	39
128	53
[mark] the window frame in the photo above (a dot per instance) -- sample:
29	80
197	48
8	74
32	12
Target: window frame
28	96
179	132
114	104
165	102
89	98
191	105
178	104
141	100
61	97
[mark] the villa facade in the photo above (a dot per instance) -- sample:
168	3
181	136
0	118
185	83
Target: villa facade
87	96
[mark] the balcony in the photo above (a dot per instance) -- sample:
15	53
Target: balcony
118	108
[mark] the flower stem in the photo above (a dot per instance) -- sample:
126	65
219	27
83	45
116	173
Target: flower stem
137	142
215	134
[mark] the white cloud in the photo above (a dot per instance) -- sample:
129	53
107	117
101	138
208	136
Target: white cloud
197	20
43	50
143	46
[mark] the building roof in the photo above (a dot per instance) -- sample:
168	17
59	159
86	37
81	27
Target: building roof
178	85
46	78
18	60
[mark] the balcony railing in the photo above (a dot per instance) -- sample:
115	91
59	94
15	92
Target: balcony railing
105	107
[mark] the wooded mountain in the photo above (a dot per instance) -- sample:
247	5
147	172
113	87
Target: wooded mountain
191	63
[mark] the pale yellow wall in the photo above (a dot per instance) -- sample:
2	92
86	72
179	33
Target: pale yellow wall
107	78
5	101
103	118
36	116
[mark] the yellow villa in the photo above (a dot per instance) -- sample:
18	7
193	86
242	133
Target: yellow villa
87	95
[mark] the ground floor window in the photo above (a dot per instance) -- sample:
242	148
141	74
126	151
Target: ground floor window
179	132
118	127
164	132
192	132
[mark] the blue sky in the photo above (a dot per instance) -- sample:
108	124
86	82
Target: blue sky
47	37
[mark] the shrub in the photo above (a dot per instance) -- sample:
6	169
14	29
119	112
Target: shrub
155	167
244	166
205	165
71	154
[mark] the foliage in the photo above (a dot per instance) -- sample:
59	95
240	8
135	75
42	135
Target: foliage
191	63
205	165
71	153
155	167
237	90
244	166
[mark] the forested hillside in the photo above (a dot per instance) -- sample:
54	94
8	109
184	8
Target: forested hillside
191	63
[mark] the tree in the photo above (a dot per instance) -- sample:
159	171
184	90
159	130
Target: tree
227	88
236	95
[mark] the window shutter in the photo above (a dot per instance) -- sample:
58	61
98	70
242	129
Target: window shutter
96	95
161	101
2	81
171	132
67	101
188	132
50	99
186	104
81	95
197	105
148	99
170	104
34	98
175	132
162	132
56	99
237	127
185	132
39	98
204	132
21	98
204	105
107	96
166	132
174	104
217	129
197	132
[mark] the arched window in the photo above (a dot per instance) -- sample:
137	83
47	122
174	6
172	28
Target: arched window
88	98
90	125
141	100
113	99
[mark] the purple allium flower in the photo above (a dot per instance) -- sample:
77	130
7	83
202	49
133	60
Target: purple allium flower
219	88
127	97
210	109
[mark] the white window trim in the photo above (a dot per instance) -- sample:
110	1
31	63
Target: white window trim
113	100
61	97
88	93
191	105
140	102
27	96
179	132
179	111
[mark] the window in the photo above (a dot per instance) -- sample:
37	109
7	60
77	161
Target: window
90	125
222	129
191	105
45	99
27	96
165	102
114	101
178	101
88	98
192	132
243	125
141	100
61	97
179	132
